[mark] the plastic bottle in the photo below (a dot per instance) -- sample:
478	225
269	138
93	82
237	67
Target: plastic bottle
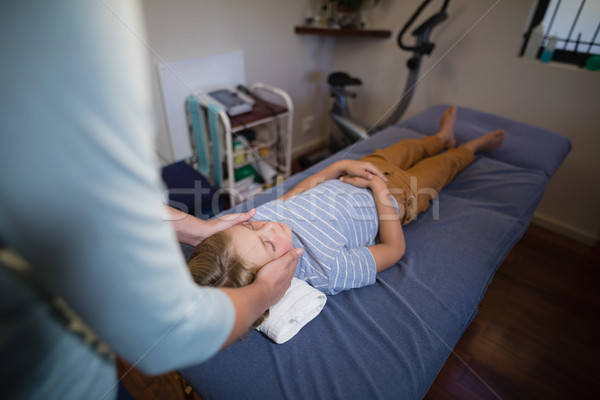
324	14
534	43
549	50
266	171
239	155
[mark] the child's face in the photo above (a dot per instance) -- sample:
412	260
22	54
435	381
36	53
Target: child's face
259	242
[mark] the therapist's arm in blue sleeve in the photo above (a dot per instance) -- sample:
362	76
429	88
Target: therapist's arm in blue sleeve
83	203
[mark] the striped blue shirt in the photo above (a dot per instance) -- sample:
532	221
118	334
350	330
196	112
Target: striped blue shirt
334	223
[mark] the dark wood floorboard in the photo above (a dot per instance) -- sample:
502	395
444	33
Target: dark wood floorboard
535	336
170	386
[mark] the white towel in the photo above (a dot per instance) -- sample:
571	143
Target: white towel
298	306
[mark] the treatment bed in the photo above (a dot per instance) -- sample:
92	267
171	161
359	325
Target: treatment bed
390	340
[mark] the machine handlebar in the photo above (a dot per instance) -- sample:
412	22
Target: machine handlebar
423	46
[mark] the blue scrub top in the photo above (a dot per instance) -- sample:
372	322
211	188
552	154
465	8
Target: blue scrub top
81	202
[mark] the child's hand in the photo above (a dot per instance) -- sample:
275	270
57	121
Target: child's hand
373	183
362	169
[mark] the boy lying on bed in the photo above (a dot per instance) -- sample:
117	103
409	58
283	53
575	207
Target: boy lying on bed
348	217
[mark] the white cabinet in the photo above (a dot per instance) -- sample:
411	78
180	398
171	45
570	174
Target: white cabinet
254	149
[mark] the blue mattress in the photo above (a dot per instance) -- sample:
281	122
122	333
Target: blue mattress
390	340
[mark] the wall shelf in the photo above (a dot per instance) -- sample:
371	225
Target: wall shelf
349	32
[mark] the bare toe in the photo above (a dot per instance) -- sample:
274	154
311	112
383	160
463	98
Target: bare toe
488	142
496	139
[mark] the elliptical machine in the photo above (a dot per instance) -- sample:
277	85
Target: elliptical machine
348	130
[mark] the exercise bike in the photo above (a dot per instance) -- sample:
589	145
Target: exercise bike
346	130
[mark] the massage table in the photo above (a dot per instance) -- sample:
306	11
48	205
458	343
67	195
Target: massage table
390	340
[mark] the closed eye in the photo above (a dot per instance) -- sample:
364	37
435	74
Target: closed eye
270	244
266	243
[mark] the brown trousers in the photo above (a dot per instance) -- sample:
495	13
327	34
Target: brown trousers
417	170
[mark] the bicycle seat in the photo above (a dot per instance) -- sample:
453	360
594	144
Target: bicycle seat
342	79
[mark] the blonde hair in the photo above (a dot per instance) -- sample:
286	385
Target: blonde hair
215	263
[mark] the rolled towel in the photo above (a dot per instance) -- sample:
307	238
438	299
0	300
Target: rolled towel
298	306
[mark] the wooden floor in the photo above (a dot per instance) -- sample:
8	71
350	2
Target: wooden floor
536	334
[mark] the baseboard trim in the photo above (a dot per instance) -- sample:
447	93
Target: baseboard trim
309	146
566	230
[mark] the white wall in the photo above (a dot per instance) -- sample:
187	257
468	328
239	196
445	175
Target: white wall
264	31
475	64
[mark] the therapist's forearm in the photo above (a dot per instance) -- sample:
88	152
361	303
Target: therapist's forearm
187	227
249	302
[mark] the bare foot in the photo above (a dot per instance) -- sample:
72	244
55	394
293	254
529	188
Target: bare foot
446	132
488	142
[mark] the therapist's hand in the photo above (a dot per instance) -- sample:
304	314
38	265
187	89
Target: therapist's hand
266	290
277	275
224	222
191	230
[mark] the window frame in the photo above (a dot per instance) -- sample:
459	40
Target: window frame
560	55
